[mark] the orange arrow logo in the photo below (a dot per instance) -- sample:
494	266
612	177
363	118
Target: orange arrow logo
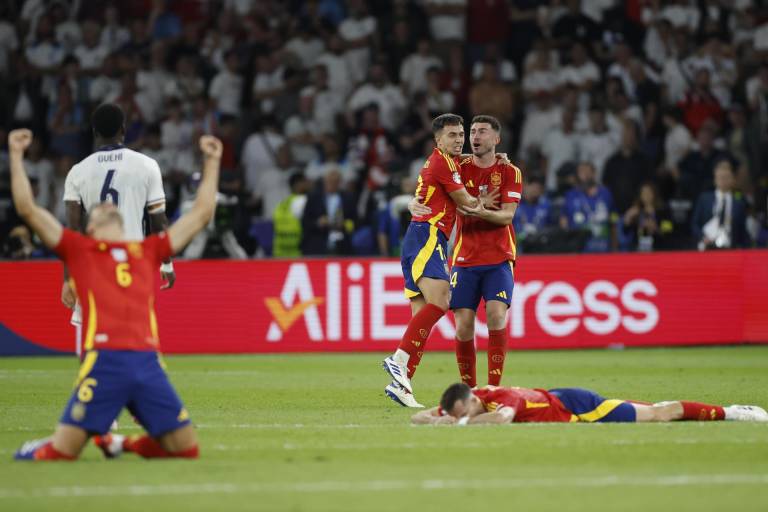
285	318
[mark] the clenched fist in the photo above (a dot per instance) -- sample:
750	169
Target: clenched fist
19	140
210	146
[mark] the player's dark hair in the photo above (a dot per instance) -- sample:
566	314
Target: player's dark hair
107	120
444	120
453	394
482	118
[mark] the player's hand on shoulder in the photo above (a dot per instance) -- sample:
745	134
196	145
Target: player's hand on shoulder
211	146
68	297
503	158
20	139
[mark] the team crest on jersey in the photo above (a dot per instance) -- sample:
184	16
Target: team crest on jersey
457	178
496	179
423	333
119	254
135	249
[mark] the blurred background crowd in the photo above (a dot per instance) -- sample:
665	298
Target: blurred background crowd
639	125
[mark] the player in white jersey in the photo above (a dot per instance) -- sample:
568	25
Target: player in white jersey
116	174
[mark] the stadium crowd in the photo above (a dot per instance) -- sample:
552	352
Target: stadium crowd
639	124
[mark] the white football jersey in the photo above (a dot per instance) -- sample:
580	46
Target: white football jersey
119	175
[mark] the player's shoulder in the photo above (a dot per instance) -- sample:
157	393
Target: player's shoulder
511	170
439	160
140	158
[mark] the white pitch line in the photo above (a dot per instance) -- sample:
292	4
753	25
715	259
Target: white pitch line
345	486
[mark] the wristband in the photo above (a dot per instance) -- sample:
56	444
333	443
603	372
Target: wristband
463	421
167	268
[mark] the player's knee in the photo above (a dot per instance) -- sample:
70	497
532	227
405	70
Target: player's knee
465	332
496	320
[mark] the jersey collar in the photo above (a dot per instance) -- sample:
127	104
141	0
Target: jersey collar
110	147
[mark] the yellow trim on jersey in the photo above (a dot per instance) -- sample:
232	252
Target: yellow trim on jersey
153	320
466	160
457	249
512	268
92	318
512	242
86	366
602	410
430	191
536	405
518	174
434	220
449	160
409	294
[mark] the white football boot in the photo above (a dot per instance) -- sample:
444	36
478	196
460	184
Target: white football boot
401	396
398	371
745	413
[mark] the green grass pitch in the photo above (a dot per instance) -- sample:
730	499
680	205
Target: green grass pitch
314	432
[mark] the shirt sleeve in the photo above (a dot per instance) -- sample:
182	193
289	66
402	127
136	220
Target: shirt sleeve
158	247
446	173
71	190
156	193
67	248
513	185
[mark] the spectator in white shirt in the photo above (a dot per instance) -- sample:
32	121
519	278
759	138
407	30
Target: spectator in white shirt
327	104
339	78
113	34
542	118
447	19
107	83
44	53
505	68
678	140
413	72
269	82
358	31
300	130
599	143
560	147
378	90
330	158
226	88
306	46
90	53
186	83
153	79
540	76
260	151
40	167
581	73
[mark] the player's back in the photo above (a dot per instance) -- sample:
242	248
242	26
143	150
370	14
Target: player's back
531	405
438	178
124	177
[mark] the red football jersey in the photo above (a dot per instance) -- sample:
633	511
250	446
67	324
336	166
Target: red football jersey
115	283
531	405
439	177
481	242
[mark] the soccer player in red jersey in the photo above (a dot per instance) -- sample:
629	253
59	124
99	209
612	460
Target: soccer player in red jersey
114	280
461	405
424	258
484	255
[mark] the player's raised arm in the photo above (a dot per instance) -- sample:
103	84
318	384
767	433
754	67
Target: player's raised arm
39	219
191	223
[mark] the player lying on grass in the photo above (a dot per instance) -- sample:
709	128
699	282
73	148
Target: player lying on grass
114	281
461	405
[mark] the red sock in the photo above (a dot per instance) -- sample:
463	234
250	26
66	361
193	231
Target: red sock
48	452
417	332
702	412
467	361
497	351
149	448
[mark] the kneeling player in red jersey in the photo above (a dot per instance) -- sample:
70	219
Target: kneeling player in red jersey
114	280
461	405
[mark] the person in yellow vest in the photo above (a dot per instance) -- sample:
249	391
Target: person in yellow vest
287	219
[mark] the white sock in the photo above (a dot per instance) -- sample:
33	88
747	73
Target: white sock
401	356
